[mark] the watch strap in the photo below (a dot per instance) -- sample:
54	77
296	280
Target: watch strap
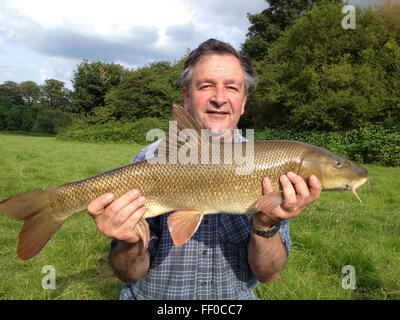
268	233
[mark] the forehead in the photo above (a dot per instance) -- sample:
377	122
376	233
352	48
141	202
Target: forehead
216	65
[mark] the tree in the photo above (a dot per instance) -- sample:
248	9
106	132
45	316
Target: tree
91	83
10	93
319	76
30	92
54	94
147	92
266	27
51	121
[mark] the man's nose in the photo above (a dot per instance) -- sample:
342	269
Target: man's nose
219	97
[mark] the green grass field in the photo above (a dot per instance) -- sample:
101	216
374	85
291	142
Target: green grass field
334	232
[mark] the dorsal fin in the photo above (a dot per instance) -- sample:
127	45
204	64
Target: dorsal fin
183	125
184	119
187	142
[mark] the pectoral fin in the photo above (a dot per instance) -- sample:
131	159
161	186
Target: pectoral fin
183	225
269	201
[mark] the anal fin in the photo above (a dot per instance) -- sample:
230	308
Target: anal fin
143	231
269	201
183	225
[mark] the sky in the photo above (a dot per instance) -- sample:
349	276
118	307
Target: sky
44	39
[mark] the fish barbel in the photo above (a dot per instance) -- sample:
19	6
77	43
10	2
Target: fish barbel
190	190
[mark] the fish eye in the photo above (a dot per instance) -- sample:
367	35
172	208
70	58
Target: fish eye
338	164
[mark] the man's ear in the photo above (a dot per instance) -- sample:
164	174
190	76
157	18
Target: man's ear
185	95
243	105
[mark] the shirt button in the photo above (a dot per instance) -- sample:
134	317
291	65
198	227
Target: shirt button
204	252
205	221
203	283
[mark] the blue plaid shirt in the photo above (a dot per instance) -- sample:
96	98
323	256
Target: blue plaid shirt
211	265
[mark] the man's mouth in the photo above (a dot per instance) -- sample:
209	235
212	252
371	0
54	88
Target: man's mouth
214	113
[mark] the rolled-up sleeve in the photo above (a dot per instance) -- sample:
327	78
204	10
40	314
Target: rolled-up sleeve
154	226
285	236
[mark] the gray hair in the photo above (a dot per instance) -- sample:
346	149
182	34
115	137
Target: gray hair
213	46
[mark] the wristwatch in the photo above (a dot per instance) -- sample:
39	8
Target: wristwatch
266	234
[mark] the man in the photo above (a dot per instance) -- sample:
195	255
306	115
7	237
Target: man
228	254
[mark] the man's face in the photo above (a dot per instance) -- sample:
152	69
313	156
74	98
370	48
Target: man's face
216	96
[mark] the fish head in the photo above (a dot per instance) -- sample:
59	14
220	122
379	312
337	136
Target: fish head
333	171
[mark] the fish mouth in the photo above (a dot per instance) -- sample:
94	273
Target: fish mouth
358	183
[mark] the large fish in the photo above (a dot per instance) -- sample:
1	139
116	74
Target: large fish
190	190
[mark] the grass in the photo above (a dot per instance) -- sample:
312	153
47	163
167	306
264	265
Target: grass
337	231
333	232
79	253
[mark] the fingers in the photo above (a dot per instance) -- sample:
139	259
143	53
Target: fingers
296	194
97	206
315	187
267	185
125	213
121	209
126	231
118	218
123	201
289	194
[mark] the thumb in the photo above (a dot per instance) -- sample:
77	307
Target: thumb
96	207
267	185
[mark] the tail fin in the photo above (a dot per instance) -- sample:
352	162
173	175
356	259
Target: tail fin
39	221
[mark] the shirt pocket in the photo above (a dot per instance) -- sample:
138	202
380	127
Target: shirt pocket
234	228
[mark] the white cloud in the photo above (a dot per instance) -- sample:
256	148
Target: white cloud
60	34
63	68
103	17
43	74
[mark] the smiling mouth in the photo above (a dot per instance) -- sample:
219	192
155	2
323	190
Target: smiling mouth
217	113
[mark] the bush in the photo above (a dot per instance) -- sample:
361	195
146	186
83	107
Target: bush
368	144
32	118
51	121
119	132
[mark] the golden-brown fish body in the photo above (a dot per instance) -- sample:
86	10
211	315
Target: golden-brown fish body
211	188
190	189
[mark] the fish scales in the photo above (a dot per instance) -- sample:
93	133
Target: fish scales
210	188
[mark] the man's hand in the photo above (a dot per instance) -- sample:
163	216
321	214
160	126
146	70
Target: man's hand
118	218
297	196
